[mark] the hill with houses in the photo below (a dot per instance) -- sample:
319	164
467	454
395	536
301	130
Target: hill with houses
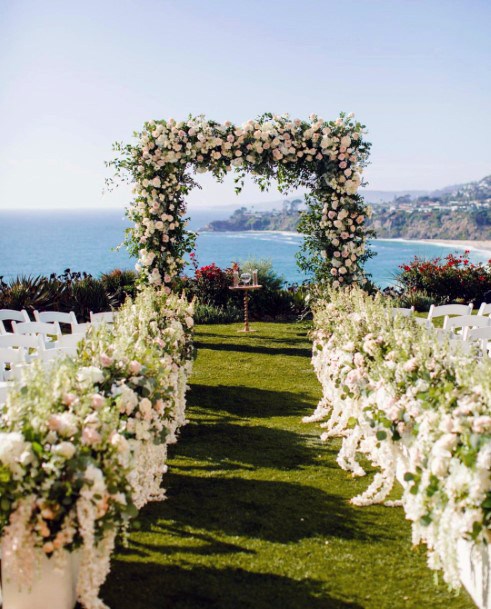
453	212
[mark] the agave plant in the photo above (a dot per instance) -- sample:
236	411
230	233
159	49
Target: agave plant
89	294
30	293
119	284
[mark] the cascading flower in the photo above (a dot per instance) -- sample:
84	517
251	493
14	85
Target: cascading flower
83	444
417	409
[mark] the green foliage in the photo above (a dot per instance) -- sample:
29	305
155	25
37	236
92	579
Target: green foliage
211	314
419	299
451	279
70	291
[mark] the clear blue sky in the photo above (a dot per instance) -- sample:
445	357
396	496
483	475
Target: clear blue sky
75	76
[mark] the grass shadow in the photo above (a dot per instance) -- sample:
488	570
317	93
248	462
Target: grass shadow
258	349
225	446
157	586
271	510
249	401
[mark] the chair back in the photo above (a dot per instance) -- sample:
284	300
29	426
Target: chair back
11	315
106	317
450	309
37	328
21	341
69	341
55	316
403	311
82	328
485	308
8	359
466	322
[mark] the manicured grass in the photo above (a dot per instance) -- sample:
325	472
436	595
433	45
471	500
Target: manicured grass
258	513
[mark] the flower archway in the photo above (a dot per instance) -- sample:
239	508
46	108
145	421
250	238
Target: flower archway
325	157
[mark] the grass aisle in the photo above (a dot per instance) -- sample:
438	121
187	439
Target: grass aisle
258	512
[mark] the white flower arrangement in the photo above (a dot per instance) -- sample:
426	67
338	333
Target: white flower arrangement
83	443
326	157
418	410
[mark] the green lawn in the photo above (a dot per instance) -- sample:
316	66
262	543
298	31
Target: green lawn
258	512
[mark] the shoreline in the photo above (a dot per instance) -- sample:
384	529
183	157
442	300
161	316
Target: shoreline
461	244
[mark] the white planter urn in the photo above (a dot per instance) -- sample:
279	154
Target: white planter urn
475	571
53	586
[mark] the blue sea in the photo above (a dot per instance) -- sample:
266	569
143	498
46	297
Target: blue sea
43	242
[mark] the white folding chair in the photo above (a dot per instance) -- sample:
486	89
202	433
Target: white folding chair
483	335
69	342
4	387
465	322
82	328
56	316
39	328
484	309
402	311
459	347
421	321
446	310
12	315
106	317
31	344
9	359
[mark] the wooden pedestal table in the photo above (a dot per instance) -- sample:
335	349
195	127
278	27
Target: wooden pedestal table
246	289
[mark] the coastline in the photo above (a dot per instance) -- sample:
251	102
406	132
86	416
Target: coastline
460	244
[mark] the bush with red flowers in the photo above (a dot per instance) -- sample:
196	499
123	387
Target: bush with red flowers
212	285
449	279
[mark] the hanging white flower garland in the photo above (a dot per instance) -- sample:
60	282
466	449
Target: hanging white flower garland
327	158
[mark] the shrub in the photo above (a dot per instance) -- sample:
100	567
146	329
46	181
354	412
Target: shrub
30	293
119	285
89	294
419	299
273	301
453	278
211	285
210	314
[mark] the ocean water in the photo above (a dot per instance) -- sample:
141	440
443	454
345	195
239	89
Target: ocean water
44	242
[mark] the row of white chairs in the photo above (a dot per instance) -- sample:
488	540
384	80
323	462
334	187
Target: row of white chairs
52	317
41	339
459	325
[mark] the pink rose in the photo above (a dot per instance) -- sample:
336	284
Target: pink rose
90	436
106	360
97	401
135	367
69	399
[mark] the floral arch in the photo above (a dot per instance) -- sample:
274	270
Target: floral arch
326	157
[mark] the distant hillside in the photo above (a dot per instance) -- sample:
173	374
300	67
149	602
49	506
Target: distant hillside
244	219
454	212
432	224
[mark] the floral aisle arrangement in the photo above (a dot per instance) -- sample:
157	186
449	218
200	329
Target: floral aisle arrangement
417	410
326	157
83	443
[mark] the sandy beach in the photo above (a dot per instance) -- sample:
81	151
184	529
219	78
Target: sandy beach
482	246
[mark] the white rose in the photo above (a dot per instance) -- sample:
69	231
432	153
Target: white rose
90	375
64	449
